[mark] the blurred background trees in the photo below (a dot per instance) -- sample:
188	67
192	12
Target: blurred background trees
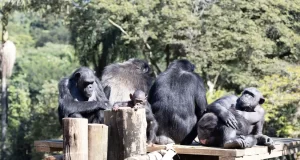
234	44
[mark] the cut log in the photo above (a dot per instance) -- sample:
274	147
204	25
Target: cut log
75	138
98	138
127	132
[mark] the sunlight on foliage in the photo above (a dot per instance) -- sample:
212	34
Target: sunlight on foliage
282	92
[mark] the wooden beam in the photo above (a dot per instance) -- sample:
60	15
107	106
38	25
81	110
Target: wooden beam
283	146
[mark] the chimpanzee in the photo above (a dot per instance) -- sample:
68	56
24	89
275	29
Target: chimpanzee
82	96
139	100
178	100
121	79
235	122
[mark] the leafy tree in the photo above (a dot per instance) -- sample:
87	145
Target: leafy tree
107	31
242	41
282	92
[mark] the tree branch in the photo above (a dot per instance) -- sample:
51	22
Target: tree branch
145	43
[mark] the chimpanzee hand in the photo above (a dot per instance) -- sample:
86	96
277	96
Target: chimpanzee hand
115	107
229	119
138	106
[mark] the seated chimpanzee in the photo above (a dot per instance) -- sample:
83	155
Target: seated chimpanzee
178	101
124	78
235	122
82	96
139	100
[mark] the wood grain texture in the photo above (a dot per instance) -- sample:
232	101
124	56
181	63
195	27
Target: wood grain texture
75	138
127	133
97	141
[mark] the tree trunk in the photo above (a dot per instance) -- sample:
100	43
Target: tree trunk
4	115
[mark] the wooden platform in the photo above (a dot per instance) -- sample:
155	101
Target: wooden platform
284	146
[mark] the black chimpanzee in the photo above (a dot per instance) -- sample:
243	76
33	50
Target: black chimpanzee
235	122
178	100
139	100
82	96
121	79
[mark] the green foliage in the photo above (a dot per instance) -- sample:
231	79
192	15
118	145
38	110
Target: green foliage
211	97
157	23
282	92
247	40
235	44
33	90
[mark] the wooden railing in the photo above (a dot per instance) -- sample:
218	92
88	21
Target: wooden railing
124	135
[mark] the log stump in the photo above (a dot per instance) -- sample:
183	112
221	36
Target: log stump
98	138
127	132
75	138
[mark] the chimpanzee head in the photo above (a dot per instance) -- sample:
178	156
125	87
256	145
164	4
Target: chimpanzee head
138	97
85	80
206	127
182	64
249	99
139	65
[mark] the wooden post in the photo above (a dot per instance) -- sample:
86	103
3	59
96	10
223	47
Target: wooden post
98	138
75	138
127	132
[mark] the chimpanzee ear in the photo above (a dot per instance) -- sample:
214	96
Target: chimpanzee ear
145	69
261	100
131	96
77	75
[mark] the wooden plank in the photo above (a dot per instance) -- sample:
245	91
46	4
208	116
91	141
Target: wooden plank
200	150
286	145
48	145
261	156
227	158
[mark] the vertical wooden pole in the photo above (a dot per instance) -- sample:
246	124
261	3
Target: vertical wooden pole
127	132
98	138
75	138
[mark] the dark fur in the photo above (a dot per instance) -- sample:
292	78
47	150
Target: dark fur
143	103
80	99
124	78
217	134
235	122
178	100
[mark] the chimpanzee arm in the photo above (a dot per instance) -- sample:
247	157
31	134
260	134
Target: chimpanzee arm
84	106
123	104
70	106
107	90
152	126
200	100
256	118
221	108
200	108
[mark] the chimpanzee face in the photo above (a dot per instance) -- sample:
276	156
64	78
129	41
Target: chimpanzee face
249	99
85	83
138	97
140	65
